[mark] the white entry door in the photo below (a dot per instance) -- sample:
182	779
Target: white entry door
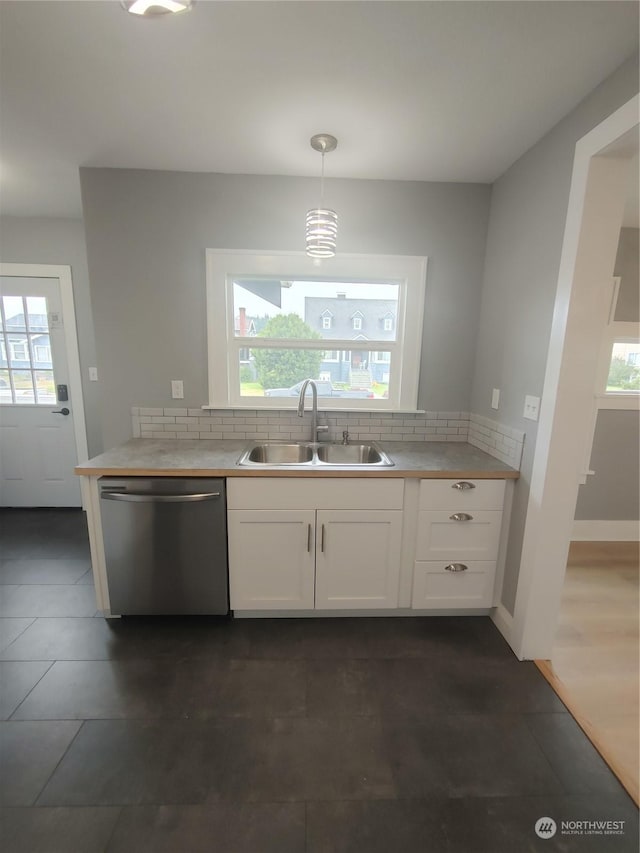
37	439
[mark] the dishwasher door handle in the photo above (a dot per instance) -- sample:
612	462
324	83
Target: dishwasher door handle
145	497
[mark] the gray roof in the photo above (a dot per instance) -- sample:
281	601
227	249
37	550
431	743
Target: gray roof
372	312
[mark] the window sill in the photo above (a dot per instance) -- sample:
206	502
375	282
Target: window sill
293	405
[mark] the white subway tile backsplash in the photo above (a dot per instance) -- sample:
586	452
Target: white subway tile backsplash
499	440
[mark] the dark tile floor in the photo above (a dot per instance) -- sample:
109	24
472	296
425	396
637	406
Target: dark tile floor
327	736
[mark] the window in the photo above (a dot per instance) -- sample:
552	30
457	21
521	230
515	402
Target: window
286	294
382	357
624	368
388	324
326	322
23	322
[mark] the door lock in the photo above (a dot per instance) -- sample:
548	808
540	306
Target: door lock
64	412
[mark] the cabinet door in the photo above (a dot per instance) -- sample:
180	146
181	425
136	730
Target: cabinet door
271	559
357	559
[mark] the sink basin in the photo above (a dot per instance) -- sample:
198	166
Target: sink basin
273	453
276	454
350	454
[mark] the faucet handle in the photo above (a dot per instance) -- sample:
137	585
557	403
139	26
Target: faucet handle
345	436
322	428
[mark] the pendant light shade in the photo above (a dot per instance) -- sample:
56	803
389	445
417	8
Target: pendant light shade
322	222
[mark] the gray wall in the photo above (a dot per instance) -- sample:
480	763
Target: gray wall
612	492
46	240
147	232
526	228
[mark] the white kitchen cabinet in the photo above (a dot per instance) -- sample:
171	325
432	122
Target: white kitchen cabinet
457	543
339	550
357	559
272	559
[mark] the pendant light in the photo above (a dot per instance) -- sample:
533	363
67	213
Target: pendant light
322	223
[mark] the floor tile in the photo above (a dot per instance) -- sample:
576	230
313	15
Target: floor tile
147	689
43	571
507	825
467	755
29	753
17	678
409	826
497	687
342	688
573	757
48	600
103	639
224	827
309	759
12	628
135	762
57	830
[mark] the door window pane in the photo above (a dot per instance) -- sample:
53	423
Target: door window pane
37	313
25	352
23	385
45	387
13	312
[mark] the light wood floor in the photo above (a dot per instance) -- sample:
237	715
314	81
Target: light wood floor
594	665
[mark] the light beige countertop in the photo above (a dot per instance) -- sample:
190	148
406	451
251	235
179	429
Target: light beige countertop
202	458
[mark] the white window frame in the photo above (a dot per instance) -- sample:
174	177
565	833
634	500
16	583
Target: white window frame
326	321
334	360
388	324
357	323
223	266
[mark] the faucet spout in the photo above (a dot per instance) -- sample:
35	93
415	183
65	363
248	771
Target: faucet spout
314	407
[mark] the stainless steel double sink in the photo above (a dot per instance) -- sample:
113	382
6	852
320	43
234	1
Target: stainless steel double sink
278	454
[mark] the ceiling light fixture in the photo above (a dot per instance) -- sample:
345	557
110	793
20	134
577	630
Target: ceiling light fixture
155	8
322	223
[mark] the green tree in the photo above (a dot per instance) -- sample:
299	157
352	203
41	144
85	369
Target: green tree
280	368
623	375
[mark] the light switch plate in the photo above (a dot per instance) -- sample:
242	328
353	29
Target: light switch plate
531	408
93	374
495	398
177	389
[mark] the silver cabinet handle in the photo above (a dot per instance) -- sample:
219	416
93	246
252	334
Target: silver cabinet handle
64	411
461	516
309	538
143	497
463	486
322	539
456	567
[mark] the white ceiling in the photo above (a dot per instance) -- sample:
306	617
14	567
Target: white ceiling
426	91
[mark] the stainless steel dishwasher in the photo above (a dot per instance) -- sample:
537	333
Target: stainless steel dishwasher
165	542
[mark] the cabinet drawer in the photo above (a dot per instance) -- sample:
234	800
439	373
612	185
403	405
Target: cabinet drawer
442	537
436	587
461	495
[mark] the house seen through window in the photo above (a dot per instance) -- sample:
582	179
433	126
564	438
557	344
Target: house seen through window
344	332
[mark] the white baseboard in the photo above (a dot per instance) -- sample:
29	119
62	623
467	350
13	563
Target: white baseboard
605	531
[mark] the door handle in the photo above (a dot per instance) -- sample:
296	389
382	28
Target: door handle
322	540
64	412
146	497
309	538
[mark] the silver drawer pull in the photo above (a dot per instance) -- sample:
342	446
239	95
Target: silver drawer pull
463	486
456	567
461	516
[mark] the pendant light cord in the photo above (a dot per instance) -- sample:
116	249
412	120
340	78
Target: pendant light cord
322	181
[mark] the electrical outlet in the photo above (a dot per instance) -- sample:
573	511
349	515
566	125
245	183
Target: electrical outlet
531	408
177	390
495	398
93	374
